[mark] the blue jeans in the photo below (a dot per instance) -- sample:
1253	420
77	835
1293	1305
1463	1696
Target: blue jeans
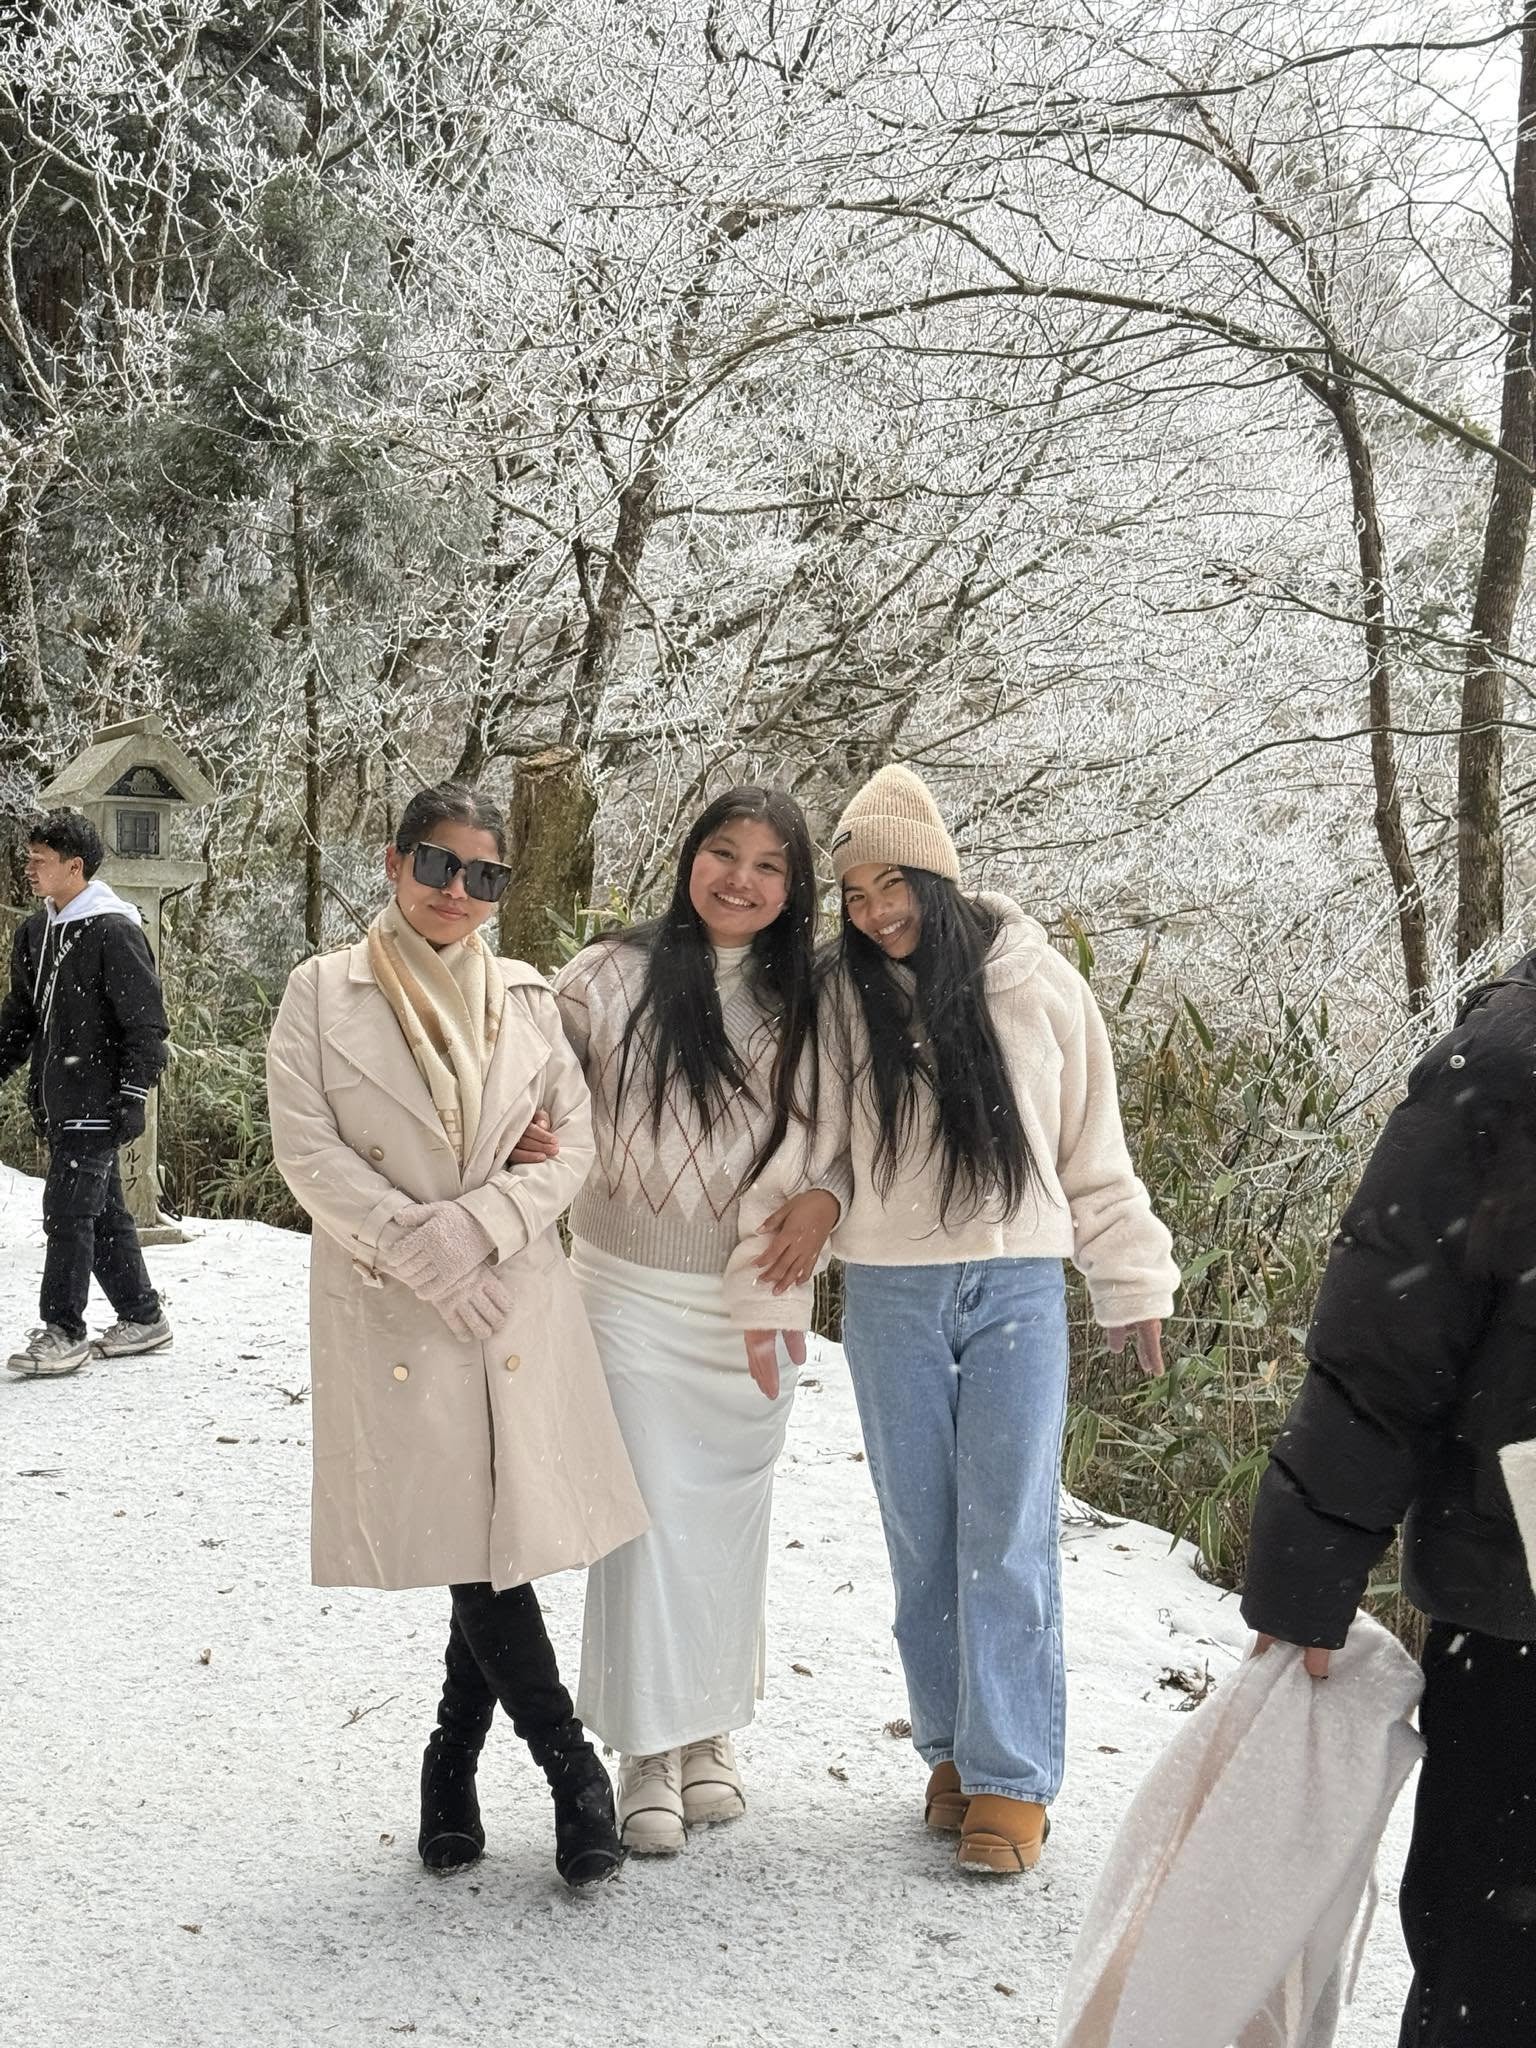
961	1378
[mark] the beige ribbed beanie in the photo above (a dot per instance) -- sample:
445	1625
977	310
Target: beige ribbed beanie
894	819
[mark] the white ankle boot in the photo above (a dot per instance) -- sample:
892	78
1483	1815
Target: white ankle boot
711	1782
651	1803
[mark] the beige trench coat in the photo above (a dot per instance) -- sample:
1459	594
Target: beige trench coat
438	1460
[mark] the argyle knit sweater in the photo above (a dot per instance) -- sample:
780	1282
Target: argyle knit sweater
673	1199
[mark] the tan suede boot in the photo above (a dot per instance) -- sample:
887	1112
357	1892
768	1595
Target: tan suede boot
944	1803
1003	1835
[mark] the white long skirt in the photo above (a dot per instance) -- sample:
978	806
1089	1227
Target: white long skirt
673	1641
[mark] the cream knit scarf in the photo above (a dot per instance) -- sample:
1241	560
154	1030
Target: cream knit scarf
449	1007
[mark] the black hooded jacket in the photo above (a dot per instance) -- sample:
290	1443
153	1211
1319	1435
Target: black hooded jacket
1422	1355
85	1004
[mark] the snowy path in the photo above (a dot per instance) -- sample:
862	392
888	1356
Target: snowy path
222	1851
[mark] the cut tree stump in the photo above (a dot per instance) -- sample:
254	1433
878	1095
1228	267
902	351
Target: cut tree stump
550	833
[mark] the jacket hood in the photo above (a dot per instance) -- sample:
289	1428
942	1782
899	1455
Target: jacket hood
94	900
1521	975
1020	945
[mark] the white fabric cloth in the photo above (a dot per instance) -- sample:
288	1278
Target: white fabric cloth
1519	1466
1223	1915
672	1645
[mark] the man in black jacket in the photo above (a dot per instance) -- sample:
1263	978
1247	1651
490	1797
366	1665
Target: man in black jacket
1422	1367
85	1005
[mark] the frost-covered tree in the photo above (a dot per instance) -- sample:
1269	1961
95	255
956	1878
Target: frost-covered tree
1122	416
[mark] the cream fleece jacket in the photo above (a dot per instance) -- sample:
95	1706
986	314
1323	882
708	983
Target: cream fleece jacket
674	1201
1091	1207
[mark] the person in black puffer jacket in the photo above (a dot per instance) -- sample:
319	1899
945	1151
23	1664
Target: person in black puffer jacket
85	1006
1422	1367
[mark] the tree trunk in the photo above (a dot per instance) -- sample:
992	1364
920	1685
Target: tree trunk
1480	756
21	676
553	809
638	505
314	887
604	636
1391	833
21	667
1334	388
315	95
475	752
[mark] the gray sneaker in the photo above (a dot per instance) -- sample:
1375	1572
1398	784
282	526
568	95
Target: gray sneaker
49	1354
127	1340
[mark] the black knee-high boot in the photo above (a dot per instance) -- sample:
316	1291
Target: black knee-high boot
451	1833
506	1634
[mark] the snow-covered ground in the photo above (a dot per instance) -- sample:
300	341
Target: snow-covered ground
208	1799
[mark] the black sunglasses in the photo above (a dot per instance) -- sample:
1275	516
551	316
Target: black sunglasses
435	867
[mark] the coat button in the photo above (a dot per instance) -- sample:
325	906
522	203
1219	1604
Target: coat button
402	1372
375	1151
513	1362
1457	1059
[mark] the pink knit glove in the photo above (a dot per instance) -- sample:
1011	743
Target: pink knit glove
475	1307
433	1246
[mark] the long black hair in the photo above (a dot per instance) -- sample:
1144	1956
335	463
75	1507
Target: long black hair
679	1006
933	1034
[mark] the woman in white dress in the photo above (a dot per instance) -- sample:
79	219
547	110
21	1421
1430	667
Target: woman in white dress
695	1034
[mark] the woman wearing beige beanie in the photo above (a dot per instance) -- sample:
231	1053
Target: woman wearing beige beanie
985	1143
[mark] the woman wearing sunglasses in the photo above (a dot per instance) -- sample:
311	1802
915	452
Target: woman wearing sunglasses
695	1033
463	1434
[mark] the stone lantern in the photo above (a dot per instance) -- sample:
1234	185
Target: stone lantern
128	782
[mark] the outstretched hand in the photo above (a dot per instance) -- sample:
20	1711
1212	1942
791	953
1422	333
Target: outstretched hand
763	1356
1149	1345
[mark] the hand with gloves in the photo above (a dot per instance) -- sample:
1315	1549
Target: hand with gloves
443	1255
433	1247
475	1307
129	1116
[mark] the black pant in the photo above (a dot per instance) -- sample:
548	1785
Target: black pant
90	1231
499	1650
1469	1892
